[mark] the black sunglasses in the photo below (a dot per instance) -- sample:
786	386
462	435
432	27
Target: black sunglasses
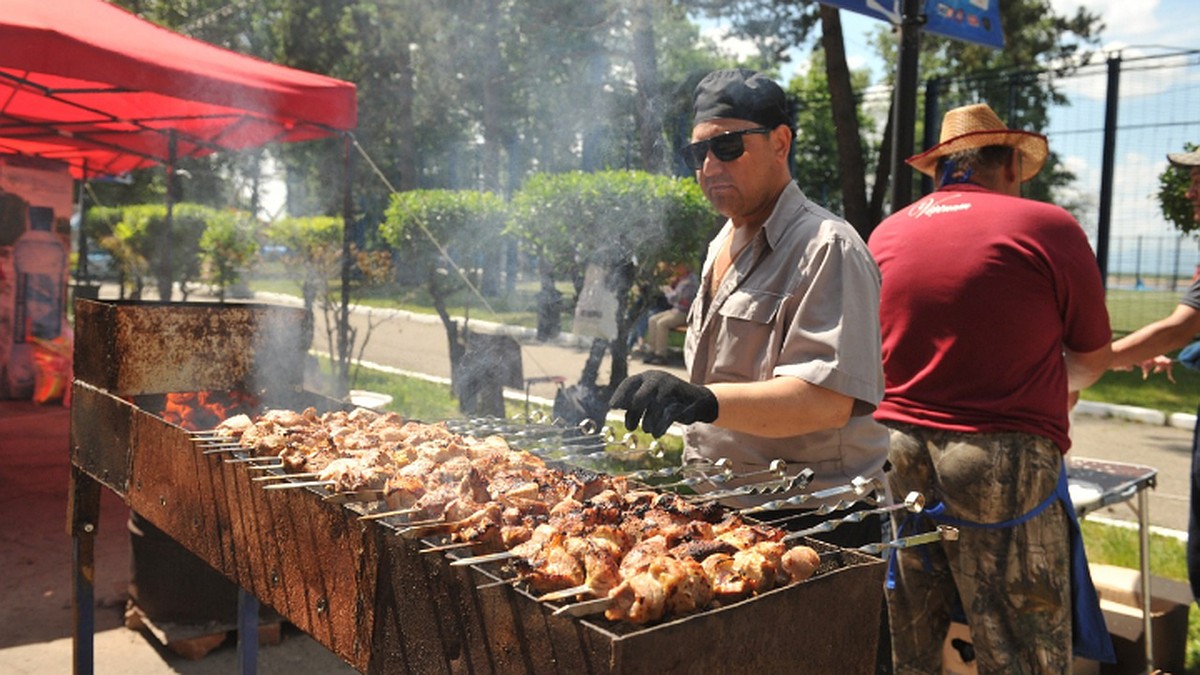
725	147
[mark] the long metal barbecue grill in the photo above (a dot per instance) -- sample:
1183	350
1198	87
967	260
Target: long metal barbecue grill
365	593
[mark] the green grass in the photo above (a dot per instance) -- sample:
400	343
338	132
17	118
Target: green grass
516	308
1154	392
1130	310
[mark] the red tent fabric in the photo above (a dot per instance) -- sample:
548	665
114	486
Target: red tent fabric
86	82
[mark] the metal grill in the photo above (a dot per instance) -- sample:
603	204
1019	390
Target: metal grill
357	586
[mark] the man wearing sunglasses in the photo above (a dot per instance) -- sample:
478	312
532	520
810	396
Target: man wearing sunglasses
783	341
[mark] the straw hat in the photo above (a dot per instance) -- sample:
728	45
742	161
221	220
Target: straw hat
977	126
1184	159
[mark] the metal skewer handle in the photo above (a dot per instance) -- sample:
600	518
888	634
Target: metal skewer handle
774	486
942	533
913	503
722	466
859	486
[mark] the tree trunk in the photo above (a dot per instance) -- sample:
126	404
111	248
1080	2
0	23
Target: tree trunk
883	172
851	166
649	99
621	280
406	157
452	339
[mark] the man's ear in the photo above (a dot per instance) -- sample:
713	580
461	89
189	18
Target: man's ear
1013	170
781	139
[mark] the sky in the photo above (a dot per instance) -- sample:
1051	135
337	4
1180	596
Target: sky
1159	98
1131	25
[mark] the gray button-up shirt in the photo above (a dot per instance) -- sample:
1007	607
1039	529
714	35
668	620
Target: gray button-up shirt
801	301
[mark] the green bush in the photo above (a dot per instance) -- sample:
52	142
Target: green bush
227	247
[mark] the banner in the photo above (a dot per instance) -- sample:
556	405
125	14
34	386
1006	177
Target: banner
976	21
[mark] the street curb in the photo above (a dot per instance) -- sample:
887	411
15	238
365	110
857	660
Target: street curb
519	333
1135	414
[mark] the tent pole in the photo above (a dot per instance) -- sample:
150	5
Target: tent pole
164	284
344	347
81	264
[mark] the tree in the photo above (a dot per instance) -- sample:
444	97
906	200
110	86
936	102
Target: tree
313	257
443	237
1036	38
624	221
1011	80
817	135
1173	184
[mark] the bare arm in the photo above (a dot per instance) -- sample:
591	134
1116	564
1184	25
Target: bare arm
1084	368
1164	335
780	407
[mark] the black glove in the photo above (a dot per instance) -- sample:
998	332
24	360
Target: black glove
658	398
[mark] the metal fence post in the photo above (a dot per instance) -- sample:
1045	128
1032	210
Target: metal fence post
932	127
1106	171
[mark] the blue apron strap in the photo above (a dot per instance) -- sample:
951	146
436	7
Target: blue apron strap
937	513
1090	637
1089	633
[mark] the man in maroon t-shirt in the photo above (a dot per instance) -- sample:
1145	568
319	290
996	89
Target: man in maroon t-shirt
992	311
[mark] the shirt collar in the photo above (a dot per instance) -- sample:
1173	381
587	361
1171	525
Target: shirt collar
790	200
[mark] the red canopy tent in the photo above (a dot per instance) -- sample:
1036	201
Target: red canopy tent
85	82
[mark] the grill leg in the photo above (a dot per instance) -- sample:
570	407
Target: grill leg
83	514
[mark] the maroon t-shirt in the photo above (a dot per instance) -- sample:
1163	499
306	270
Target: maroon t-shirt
981	294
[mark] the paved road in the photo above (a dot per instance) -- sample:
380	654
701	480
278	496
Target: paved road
1164	448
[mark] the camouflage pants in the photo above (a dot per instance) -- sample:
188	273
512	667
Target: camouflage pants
1014	583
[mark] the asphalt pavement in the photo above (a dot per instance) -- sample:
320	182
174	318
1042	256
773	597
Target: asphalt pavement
35	559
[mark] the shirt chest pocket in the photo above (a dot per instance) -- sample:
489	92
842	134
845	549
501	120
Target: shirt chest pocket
747	341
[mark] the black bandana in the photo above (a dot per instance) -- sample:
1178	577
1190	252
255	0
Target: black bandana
741	94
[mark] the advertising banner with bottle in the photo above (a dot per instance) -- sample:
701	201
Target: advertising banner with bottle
35	215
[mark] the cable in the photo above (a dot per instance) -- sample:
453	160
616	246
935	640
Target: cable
433	240
441	249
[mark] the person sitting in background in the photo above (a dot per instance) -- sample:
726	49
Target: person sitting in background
679	292
1147	345
646	301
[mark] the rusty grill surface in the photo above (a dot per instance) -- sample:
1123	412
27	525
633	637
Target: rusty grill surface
358	587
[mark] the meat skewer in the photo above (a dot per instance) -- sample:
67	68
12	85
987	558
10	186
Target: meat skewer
774	486
914	502
284	476
447	547
859	485
388	514
354	496
299	484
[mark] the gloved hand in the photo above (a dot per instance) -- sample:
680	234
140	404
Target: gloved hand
657	398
